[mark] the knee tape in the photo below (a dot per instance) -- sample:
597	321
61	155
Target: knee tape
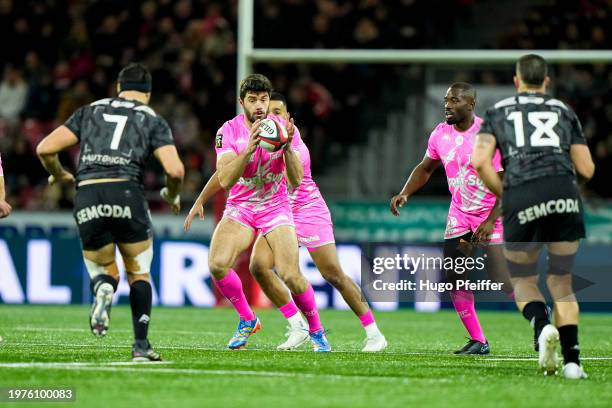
94	269
141	263
560	264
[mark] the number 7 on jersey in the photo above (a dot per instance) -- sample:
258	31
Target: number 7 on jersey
120	121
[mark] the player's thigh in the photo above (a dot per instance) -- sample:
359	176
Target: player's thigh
563	248
284	245
326	260
529	256
228	241
456	248
103	255
262	258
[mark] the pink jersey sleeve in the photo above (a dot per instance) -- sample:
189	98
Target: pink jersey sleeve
497	161
1	171
225	140
432	150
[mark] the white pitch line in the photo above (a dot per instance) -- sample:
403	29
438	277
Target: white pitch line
215	372
497	357
80	364
85	330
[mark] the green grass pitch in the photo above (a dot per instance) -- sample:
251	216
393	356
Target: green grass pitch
417	370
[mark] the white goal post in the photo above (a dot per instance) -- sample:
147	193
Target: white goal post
248	55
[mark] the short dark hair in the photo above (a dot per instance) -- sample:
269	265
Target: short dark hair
532	69
465	88
255	83
277	96
135	77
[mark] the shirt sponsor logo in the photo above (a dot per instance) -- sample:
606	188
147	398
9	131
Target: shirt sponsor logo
560	206
103	211
260	180
219	141
105	159
471	180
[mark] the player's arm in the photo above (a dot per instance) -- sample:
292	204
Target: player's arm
482	156
486	227
175	172
583	162
212	187
293	163
5	208
231	166
417	179
48	150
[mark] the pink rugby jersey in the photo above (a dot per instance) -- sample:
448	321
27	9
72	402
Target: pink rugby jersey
454	149
307	193
263	184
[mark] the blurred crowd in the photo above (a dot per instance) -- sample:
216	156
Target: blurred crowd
60	54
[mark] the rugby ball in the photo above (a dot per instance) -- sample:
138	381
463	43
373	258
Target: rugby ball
272	135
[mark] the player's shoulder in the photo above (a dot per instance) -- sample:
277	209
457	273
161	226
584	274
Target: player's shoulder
440	129
119	103
232	125
503	103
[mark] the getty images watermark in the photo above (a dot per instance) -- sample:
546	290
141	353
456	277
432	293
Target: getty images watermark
418	272
411	264
429	272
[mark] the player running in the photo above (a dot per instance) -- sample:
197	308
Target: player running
117	136
543	151
314	230
5	208
258	202
473	217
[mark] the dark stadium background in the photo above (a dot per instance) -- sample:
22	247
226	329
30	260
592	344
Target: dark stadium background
58	55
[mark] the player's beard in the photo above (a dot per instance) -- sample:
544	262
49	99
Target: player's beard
252	116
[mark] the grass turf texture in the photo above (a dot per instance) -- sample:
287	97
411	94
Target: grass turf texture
417	370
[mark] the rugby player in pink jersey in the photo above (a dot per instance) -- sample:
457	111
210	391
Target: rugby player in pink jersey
474	214
5	208
314	230
258	202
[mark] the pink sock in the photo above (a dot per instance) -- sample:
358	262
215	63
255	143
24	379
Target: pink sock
288	310
306	303
367	319
231	287
464	305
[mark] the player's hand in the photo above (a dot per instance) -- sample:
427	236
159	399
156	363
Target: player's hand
5	209
484	230
253	138
290	131
174	202
197	209
398	202
65	178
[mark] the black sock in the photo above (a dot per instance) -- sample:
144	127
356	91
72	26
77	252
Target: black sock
141	297
537	314
568	335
